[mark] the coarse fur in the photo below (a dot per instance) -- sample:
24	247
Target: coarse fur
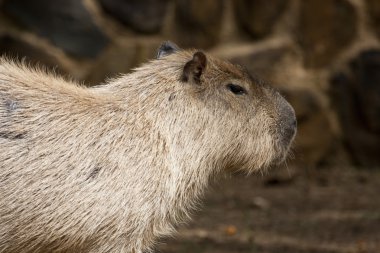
112	168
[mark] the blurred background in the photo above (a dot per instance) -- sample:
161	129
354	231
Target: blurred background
324	56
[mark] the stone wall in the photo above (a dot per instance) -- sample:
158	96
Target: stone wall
324	56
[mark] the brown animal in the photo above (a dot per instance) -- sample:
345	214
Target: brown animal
112	168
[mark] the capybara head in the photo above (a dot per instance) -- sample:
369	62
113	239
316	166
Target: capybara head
209	108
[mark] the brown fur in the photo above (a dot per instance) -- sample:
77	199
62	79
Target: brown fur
114	167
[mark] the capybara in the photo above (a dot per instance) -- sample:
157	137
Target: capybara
112	168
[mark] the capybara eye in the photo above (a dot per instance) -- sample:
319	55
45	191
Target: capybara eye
236	89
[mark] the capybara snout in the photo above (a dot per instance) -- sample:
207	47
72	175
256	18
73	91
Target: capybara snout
286	122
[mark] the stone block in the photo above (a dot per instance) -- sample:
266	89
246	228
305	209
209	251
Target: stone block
197	22
324	29
18	49
258	17
355	95
373	8
145	16
66	23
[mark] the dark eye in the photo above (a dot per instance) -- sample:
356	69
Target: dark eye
236	89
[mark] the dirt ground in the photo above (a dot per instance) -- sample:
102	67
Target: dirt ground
289	211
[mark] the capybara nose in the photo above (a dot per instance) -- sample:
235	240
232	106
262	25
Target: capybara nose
290	128
288	122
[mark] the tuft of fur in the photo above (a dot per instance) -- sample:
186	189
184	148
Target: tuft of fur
112	168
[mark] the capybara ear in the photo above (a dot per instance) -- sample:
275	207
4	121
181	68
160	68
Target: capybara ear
194	68
166	48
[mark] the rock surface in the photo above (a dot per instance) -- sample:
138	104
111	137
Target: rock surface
257	17
66	23
144	16
198	22
373	7
323	27
356	96
21	50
